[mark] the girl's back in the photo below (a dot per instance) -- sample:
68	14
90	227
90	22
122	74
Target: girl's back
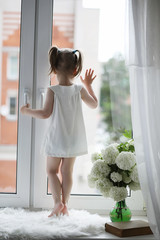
66	136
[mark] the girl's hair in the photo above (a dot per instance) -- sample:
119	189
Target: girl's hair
66	61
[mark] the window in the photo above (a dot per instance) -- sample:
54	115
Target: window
12	106
10	12
70	21
14	158
11	103
12	66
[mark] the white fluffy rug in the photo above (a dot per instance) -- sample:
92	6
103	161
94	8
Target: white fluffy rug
18	223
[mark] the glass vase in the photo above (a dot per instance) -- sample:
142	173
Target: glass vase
120	213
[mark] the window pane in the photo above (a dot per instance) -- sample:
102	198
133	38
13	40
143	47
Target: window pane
69	18
12	105
86	25
9	50
12	67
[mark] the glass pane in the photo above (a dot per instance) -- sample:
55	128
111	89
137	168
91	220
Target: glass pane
12	67
9	50
12	105
86	25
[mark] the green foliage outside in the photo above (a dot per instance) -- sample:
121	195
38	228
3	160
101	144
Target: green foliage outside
115	97
127	146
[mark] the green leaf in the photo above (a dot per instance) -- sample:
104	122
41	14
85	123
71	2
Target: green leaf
131	148
127	133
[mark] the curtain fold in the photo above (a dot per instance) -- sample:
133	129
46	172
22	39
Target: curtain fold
143	59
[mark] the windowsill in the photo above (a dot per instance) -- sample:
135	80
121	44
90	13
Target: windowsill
12	79
11	117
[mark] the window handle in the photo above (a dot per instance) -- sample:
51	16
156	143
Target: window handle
26	95
41	97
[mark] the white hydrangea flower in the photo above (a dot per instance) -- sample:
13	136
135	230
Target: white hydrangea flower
103	185
91	181
100	169
134	186
116	177
118	193
110	153
95	156
134	175
105	194
125	178
125	160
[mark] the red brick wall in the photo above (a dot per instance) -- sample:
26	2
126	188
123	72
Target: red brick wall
13	40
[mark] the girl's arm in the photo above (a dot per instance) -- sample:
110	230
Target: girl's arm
41	113
88	96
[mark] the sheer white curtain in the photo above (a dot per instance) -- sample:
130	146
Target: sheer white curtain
143	58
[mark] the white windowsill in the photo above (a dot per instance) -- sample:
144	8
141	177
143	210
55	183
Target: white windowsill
11	117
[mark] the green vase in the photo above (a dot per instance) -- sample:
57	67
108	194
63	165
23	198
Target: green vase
120	213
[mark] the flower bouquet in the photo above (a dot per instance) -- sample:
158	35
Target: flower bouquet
113	170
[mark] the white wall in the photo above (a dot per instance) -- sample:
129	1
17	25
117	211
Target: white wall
64	6
10	5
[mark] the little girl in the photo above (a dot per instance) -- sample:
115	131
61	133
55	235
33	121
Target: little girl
66	137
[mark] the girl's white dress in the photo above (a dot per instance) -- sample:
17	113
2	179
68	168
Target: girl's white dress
66	135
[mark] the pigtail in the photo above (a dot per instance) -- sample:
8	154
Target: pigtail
78	62
53	59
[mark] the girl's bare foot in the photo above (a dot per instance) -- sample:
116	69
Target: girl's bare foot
64	211
57	209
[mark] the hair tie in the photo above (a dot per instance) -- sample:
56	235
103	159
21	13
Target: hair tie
74	51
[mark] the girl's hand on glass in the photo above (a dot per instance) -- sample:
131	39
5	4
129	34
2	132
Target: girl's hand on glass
88	77
24	107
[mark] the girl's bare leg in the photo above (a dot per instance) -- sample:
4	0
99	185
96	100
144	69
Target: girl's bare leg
66	171
59	172
55	185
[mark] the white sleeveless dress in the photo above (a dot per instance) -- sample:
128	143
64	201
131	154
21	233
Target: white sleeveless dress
66	135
